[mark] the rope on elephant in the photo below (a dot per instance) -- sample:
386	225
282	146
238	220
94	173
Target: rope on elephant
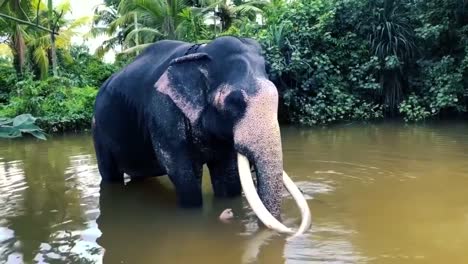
192	49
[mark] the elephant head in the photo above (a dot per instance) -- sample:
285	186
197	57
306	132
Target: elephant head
224	88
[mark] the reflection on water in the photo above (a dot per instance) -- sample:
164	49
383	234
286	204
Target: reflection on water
379	194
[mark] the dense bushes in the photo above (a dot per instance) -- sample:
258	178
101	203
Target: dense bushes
86	69
58	105
324	70
361	60
7	81
62	103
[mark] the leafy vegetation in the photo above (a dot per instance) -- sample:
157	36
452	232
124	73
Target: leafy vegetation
15	127
333	61
62	103
58	105
369	54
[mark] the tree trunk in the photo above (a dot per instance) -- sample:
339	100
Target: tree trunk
53	51
19	48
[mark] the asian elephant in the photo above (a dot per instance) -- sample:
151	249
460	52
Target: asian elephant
179	106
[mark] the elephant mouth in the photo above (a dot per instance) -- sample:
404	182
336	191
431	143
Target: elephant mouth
259	208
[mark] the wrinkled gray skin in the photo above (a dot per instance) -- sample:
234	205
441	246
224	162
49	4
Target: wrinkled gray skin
173	110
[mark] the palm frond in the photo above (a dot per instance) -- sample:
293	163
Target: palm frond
136	48
120	22
106	46
145	33
79	22
96	32
2	3
64	6
250	7
42	61
63	40
36	41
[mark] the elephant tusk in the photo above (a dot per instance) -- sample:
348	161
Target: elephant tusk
259	208
301	203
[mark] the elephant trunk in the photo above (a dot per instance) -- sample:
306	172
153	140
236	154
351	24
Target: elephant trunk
265	153
257	136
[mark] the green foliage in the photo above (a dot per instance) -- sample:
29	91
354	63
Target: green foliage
324	73
443	85
15	127
192	27
358	59
85	69
332	60
73	113
7	82
58	105
414	109
135	23
328	106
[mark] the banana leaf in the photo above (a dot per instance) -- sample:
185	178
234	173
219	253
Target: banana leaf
15	127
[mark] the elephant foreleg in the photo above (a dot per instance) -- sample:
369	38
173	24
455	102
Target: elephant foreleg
185	173
225	176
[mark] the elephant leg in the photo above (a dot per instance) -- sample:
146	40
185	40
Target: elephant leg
186	174
107	167
176	154
225	176
187	182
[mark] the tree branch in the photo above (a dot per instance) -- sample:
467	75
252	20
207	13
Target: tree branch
54	27
24	13
26	23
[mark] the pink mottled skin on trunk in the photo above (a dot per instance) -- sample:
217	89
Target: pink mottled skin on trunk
164	86
259	131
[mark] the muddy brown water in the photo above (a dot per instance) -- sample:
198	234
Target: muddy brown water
385	193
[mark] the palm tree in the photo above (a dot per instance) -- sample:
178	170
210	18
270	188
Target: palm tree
104	15
151	19
27	36
136	23
231	12
192	26
41	44
392	41
14	32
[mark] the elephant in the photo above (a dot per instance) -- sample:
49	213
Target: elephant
178	106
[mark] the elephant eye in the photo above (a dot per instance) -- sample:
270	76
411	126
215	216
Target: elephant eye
235	104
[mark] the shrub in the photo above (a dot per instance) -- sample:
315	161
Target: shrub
443	85
413	109
324	70
7	82
58	105
86	69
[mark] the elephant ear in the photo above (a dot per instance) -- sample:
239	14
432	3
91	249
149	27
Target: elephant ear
184	83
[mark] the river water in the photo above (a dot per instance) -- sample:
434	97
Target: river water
386	193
